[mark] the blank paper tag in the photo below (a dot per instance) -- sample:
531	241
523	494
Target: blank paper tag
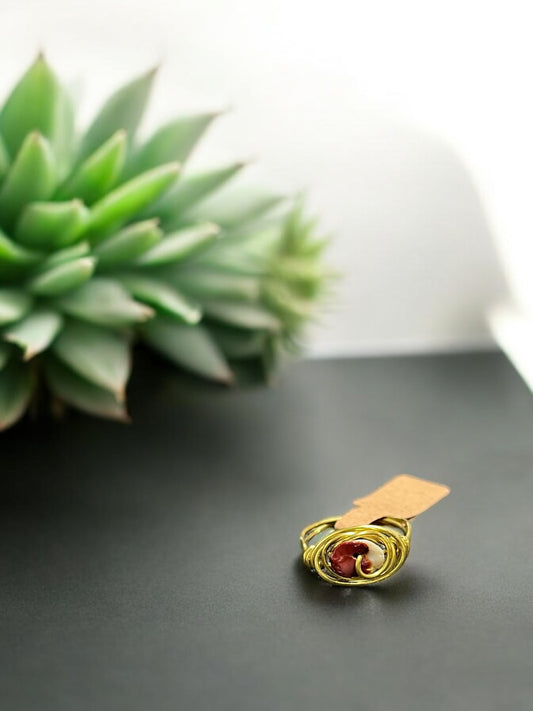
405	496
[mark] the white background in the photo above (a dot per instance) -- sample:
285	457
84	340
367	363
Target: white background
409	123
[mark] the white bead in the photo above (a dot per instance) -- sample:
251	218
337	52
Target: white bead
376	554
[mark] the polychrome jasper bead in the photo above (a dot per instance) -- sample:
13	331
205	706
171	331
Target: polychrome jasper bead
344	555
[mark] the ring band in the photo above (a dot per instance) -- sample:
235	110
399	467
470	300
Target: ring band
356	556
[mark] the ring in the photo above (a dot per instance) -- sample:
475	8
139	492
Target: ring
356	556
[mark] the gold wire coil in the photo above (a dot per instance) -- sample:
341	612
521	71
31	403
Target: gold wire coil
392	535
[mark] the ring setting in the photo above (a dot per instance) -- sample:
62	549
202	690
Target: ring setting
361	555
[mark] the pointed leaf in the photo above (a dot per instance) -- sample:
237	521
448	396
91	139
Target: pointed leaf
104	302
232	208
68	254
274	354
15	393
261	239
14	304
190	189
299	269
242	315
174	141
289	305
39	103
162	296
80	393
130	198
315	247
98	173
13	254
51	224
63	277
190	347
180	245
35	332
238	344
31	177
123	110
234	261
128	244
97	354
299	235
205	284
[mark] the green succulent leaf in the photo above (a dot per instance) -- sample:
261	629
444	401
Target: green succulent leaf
129	199
32	177
242	315
35	332
62	277
82	394
273	353
263	240
190	190
233	261
237	344
98	173
232	209
122	111
300	270
180	245
51	225
190	347
68	254
97	354
5	354
128	244
15	393
5	160
162	297
39	103
288	305
299	233
207	284
174	141
13	255
253	250
105	302
315	248
14	304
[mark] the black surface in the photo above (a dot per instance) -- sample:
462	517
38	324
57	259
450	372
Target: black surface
156	566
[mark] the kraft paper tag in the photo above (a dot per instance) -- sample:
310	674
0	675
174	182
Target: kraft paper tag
405	496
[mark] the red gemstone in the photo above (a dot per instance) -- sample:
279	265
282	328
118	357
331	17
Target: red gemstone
343	556
366	564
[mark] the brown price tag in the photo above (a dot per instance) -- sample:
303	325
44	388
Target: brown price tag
405	496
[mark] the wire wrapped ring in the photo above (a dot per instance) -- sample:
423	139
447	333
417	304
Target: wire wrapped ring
356	556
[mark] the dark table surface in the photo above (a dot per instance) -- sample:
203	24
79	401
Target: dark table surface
156	566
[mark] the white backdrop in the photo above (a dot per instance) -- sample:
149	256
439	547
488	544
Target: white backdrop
396	117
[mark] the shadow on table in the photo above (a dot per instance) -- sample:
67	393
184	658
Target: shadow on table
407	584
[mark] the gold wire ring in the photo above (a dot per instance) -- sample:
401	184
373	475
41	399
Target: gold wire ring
387	540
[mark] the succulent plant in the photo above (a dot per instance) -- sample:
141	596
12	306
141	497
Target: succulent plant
105	239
